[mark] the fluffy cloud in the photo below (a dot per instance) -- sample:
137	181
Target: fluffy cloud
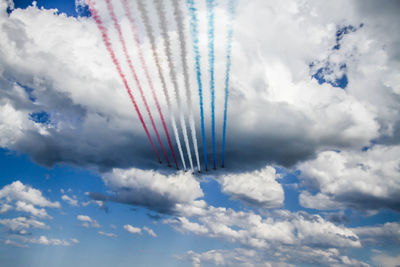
366	180
131	229
253	230
151	189
290	115
281	113
17	191
87	221
72	201
5	208
258	188
279	257
29	208
20	225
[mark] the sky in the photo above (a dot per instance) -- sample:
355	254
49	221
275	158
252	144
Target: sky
312	159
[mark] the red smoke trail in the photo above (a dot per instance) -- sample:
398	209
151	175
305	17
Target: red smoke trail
122	40
107	42
146	70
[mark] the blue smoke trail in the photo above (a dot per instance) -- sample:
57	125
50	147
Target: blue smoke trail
211	59
232	9
195	38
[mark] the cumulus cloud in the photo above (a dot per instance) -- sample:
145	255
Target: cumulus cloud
286	106
4	208
258	188
71	201
131	229
366	180
279	257
282	114
17	191
253	230
87	221
151	189
20	225
29	208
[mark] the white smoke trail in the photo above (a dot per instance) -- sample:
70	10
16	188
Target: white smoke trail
149	31
179	21
167	47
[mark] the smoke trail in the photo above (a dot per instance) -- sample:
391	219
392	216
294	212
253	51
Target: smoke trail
125	50
149	31
172	73
195	39
211	60
179	21
107	42
146	70
232	9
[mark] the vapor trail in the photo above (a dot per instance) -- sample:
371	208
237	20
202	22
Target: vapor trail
146	70
107	42
129	61
172	72
149	32
211	60
195	39
232	9
179	21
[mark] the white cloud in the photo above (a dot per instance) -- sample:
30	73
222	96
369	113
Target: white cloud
365	180
131	229
25	207
43	240
5	208
258	188
71	201
157	191
274	257
280	115
253	230
107	234
186	226
149	231
87	221
17	191
293	115
20	225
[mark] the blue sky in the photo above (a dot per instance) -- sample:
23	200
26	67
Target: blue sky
79	181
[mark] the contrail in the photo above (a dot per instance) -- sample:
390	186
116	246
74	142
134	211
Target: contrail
129	61
149	31
232	9
211	60
107	42
172	73
179	21
146	70
195	39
